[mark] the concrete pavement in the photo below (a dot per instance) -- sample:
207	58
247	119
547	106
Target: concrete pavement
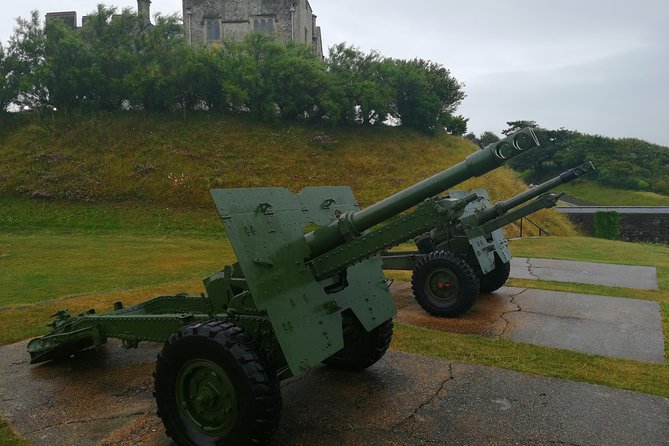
609	326
105	399
622	276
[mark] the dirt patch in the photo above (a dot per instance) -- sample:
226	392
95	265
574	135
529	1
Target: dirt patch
146	430
485	318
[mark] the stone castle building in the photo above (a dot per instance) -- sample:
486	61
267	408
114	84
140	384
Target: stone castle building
210	21
70	17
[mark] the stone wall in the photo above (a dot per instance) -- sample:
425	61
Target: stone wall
635	226
70	17
291	21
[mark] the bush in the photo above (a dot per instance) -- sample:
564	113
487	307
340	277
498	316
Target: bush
607	225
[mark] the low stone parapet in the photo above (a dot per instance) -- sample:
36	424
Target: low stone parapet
637	223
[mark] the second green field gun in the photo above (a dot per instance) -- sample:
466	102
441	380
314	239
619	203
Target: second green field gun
469	254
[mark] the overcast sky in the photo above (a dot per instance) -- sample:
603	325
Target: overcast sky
597	66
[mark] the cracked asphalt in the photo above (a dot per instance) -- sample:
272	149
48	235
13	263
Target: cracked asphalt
104	398
624	276
609	326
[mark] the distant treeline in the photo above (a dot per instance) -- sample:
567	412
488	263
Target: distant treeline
109	64
626	163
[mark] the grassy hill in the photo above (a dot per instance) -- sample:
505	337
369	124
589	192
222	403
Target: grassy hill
114	170
592	192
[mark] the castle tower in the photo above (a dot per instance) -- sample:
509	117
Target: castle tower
144	11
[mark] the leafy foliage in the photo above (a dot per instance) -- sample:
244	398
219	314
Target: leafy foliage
487	138
25	61
6	94
360	91
607	225
626	163
115	61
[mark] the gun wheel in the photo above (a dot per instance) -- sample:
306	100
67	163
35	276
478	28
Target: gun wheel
212	387
444	284
362	348
496	278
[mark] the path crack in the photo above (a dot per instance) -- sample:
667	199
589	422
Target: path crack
529	270
88	420
414	416
518	309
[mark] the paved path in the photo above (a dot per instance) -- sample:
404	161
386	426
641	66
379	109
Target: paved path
610	326
623	276
618	209
105	398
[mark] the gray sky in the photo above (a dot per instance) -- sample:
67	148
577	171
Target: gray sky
597	66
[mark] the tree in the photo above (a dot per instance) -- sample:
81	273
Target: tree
155	82
364	93
447	89
425	94
514	126
471	137
413	104
25	62
455	125
253	59
487	138
297	77
207	74
67	66
113	44
6	92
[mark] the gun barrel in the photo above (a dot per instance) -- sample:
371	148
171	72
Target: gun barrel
504	206
476	164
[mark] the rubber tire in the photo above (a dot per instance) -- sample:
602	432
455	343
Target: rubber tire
496	278
468	283
254	381
362	349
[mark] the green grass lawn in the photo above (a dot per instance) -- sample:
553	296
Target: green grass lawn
8	438
41	267
607	196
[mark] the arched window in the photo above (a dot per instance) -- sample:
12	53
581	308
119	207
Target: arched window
213	30
263	25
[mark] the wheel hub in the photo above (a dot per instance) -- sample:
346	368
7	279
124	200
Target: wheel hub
442	284
206	397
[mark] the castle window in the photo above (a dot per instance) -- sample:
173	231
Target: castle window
263	25
213	30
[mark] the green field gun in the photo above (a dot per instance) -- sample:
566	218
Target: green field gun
466	255
308	287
